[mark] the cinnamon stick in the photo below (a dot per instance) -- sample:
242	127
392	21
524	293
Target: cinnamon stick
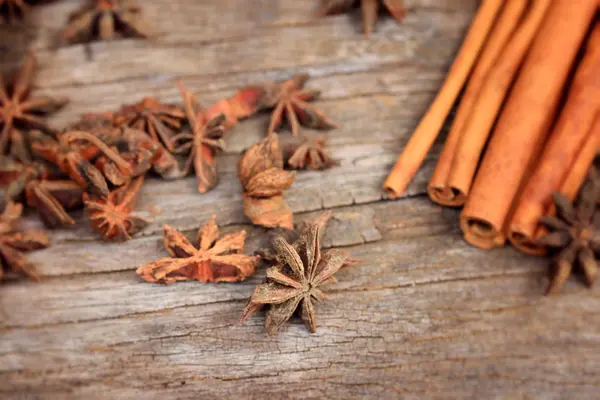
438	188
563	148
525	121
492	95
422	139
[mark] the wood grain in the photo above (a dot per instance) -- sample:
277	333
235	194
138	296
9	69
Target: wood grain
422	316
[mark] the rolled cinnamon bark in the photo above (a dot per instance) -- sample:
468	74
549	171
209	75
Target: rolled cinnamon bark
525	121
510	17
424	136
562	150
489	102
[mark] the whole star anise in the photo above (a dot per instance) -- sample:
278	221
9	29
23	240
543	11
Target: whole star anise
103	19
289	100
573	235
201	143
13	244
301	272
307	152
112	216
18	110
216	260
160	121
369	10
261	173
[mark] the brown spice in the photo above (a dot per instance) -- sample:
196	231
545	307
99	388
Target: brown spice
573	236
261	173
52	199
289	99
17	109
103	19
307	152
13	244
112	216
298	277
215	260
369	10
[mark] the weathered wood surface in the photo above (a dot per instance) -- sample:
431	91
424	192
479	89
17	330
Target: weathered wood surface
423	315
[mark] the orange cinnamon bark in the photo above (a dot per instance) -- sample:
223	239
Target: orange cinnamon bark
563	149
489	102
422	139
438	188
525	121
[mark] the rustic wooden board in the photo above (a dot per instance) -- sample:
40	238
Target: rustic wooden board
423	315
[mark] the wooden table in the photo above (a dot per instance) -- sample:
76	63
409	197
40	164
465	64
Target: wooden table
424	315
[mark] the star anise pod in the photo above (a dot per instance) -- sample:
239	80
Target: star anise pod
289	100
18	110
241	105
573	235
307	152
201	143
113	216
261	173
104	19
369	9
52	199
13	244
215	260
160	121
301	272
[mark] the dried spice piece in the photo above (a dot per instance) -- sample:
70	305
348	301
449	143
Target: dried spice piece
18	110
307	152
13	244
369	10
573	235
160	121
104	19
94	121
215	260
261	173
161	161
52	199
112	216
241	105
201	143
298	277
288	99
72	158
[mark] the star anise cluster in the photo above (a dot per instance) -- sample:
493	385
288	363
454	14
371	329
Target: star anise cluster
369	9
213	260
296	280
574	235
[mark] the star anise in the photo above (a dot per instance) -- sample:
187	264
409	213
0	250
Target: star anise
307	152
201	143
216	260
103	19
289	100
369	10
13	244
112	216
242	104
301	272
160	121
573	235
18	110
52	199
261	173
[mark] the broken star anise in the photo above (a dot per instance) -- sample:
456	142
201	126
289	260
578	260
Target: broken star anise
307	152
160	121
301	272
201	143
112	216
573	235
103	19
13	244
369	9
216	260
289	100
18	110
261	173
